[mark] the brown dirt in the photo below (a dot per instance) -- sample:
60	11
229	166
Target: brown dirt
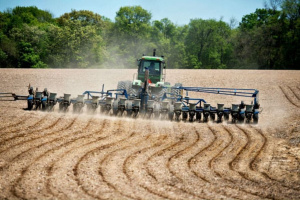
68	156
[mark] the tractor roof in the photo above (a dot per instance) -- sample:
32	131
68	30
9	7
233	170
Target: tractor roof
152	58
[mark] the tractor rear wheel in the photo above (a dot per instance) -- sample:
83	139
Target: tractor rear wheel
127	85
176	91
121	85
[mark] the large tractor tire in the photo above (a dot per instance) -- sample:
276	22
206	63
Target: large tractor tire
130	90
121	85
127	85
177	92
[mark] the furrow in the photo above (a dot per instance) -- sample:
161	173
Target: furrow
288	98
262	187
23	119
26	135
158	167
40	163
130	172
16	188
82	144
108	170
15	164
79	143
180	166
267	177
95	175
203	163
295	94
39	145
18	130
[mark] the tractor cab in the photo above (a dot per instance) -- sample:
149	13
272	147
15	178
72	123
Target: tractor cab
155	66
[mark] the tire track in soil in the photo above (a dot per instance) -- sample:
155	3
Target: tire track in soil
244	150
288	98
212	162
294	93
93	156
203	162
40	136
170	164
179	167
153	142
131	175
7	133
246	174
245	180
13	161
26	134
183	159
151	174
262	185
13	189
52	169
144	184
106	158
88	146
55	154
77	169
104	164
169	185
49	170
21	121
255	161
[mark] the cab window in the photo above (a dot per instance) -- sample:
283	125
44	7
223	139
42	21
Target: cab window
153	66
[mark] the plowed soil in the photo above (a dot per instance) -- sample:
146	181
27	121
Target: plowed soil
69	156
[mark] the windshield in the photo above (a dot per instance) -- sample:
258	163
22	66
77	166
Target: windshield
153	66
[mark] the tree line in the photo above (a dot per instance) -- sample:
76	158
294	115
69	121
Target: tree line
268	38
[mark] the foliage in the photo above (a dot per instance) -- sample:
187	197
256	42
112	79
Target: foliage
268	38
207	43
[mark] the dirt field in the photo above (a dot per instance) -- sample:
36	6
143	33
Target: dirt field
68	156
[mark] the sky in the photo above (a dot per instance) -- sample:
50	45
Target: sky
178	11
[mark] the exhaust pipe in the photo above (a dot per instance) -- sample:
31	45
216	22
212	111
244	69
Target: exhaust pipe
154	52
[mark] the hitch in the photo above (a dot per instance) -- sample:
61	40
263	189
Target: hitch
7	95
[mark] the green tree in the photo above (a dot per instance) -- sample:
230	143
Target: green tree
32	46
130	36
260	39
206	43
290	48
77	42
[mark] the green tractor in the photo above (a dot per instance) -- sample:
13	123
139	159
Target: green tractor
151	76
